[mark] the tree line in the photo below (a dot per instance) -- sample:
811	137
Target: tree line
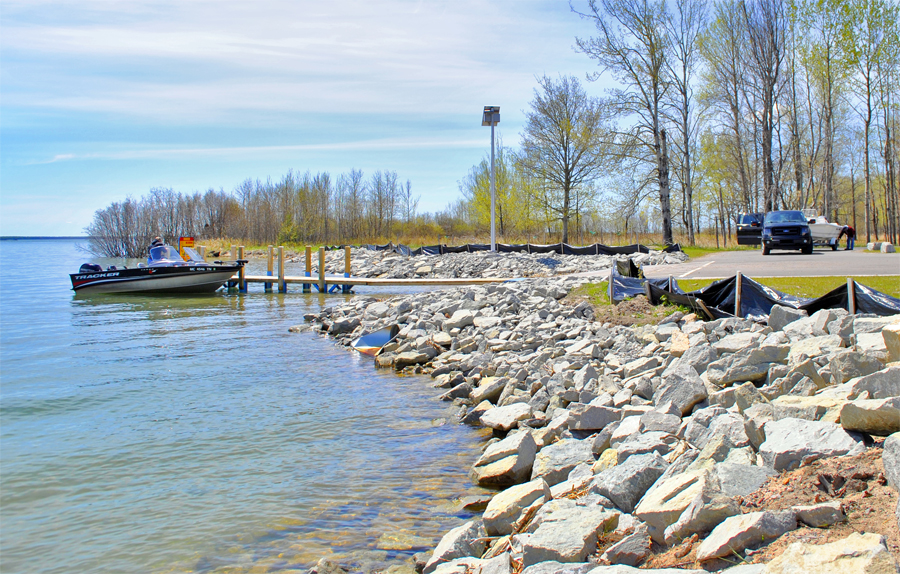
717	108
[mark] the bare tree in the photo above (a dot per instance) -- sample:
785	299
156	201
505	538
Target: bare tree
632	44
765	24
561	142
684	28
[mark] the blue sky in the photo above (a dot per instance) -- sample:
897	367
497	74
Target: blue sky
105	99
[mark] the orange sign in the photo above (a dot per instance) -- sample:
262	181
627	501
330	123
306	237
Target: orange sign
185	242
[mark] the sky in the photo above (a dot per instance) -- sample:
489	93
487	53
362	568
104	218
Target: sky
105	99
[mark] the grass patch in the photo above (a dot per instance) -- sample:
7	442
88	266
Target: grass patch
638	311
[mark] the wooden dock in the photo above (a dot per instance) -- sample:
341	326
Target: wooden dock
323	283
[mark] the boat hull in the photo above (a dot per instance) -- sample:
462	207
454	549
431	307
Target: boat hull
186	279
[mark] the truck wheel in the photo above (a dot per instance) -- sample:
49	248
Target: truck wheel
765	249
807	250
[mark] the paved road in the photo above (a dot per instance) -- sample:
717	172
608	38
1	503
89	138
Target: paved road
781	264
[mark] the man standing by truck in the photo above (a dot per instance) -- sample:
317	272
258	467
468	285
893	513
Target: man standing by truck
851	236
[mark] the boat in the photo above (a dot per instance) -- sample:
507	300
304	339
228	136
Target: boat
165	272
822	232
371	343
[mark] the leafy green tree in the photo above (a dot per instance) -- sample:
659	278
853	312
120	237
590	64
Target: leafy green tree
562	146
632	44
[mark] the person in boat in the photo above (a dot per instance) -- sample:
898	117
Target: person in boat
157	242
851	236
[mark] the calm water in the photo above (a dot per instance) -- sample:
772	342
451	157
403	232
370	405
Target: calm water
143	434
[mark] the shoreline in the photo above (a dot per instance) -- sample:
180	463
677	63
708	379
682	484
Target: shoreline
593	422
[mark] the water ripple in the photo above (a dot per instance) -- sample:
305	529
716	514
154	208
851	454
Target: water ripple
197	434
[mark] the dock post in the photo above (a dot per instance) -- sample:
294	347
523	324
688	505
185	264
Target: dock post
346	288
282	285
737	295
233	252
321	269
306	286
242	281
851	296
270	268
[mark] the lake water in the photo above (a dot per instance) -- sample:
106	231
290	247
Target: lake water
196	434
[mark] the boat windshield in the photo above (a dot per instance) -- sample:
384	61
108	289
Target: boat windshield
164	254
785	217
193	256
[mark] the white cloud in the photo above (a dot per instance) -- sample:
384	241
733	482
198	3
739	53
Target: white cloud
202	61
244	151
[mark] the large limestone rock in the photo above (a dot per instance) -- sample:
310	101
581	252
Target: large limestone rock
741	479
891	335
820	515
682	387
851	364
505	418
780	316
699	357
506	508
459	319
409	358
859	553
706	511
749	365
460	542
679	344
814	347
890	456
646	442
506	462
591	417
664	504
568	535
554	567
743	531
881	385
874	416
790	442
625	483
631	550
488	389
554	463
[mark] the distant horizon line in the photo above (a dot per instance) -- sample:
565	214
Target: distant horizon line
19	237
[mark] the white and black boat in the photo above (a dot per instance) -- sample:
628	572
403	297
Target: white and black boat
164	272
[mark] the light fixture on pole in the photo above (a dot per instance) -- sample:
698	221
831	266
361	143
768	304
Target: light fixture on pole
491	118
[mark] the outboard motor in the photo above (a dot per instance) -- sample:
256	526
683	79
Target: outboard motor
90	268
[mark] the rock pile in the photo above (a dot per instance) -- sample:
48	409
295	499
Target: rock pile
385	264
645	436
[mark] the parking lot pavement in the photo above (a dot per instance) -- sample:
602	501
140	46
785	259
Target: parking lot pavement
781	264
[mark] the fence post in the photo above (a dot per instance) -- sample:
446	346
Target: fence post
346	288
851	296
737	295
270	268
671	280
306	286
203	252
242	281
321	270
282	284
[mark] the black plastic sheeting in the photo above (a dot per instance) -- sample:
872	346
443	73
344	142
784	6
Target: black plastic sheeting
717	299
559	248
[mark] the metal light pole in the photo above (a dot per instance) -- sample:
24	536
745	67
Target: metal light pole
491	118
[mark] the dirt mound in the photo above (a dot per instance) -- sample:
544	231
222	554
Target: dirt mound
859	484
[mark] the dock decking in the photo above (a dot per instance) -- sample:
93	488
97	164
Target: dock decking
335	283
